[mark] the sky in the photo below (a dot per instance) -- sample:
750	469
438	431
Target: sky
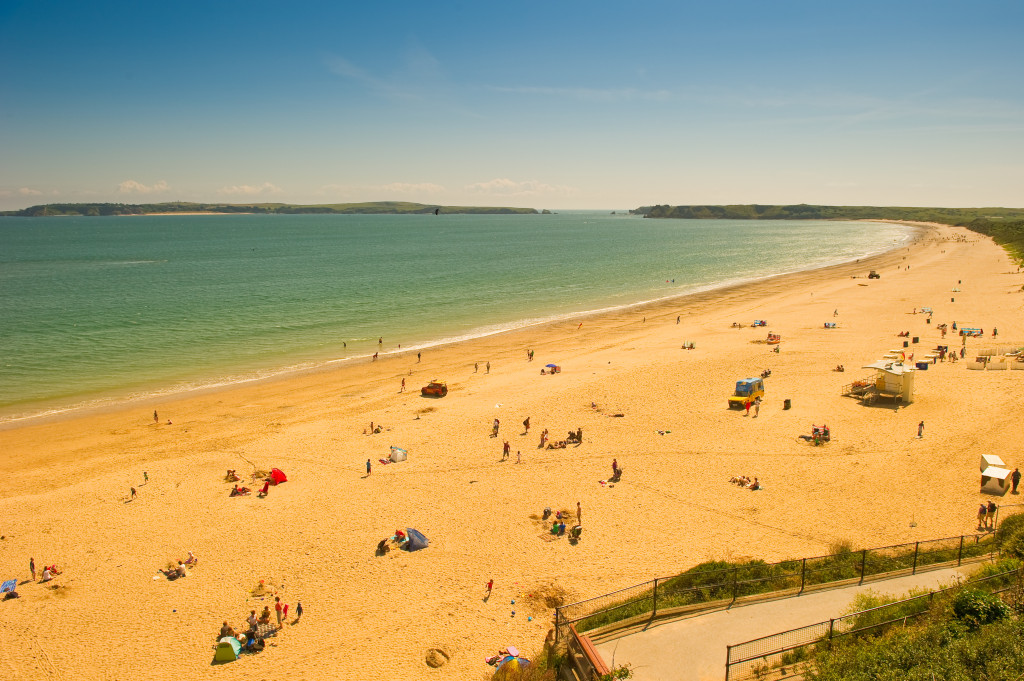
559	104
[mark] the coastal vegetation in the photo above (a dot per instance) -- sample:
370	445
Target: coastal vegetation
373	207
1004	225
717	581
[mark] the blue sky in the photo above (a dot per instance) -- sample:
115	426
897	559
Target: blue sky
556	104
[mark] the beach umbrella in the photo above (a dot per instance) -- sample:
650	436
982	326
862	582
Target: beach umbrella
551	366
510	663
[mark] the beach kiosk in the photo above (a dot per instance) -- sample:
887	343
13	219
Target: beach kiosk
990	460
995	481
892	379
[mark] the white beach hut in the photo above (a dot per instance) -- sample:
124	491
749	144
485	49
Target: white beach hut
995	481
894	378
990	460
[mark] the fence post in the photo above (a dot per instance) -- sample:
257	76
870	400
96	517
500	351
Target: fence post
913	570
863	562
960	553
803	572
728	658
654	608
557	617
735	580
831	625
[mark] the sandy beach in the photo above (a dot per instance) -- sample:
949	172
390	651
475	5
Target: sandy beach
111	614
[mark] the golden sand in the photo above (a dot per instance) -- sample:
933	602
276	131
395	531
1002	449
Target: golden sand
65	497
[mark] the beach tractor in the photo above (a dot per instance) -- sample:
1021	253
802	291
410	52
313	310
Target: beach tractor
874	275
434	389
746	389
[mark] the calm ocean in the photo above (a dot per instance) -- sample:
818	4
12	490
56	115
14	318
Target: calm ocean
95	309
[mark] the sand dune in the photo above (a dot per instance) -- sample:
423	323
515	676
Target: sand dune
66	492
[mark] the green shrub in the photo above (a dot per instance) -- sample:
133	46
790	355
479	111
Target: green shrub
1008	526
976	608
1013	545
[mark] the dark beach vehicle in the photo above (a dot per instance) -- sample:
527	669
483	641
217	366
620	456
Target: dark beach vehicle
434	389
874	275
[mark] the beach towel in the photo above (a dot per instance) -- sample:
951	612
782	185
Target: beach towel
9	585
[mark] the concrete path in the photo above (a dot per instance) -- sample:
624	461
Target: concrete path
694	649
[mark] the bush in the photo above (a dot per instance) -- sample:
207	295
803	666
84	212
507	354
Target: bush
1013	545
1009	526
976	608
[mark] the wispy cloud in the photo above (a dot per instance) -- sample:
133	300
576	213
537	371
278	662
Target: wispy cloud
133	187
408	188
503	186
28	191
591	94
250	190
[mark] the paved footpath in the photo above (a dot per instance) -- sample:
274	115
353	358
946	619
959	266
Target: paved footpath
694	649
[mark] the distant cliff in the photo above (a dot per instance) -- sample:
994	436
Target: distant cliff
390	207
1004	225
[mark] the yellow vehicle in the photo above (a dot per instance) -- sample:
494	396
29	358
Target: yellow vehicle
746	389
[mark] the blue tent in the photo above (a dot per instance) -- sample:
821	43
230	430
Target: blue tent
416	540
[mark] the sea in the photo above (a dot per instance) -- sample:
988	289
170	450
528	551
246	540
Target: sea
100	310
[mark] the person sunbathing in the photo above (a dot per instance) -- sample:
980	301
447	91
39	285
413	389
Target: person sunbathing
191	560
47	575
383	546
755	486
265	615
226	630
231	476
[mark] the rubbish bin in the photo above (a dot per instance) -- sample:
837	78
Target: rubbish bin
906	344
787	403
914	339
952	300
928	321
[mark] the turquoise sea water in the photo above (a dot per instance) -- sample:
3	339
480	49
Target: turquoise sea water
95	309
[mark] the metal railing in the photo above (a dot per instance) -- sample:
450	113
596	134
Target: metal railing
792	648
713	588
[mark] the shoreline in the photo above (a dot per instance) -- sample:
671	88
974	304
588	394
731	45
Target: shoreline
163	393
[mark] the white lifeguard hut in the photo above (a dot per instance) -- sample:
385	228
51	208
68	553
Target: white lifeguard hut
988	460
995	481
893	379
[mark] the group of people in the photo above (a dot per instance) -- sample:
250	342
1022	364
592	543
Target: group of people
48	573
558	522
819	435
987	516
746	483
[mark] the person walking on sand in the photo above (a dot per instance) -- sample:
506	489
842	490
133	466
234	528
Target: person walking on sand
156	419
145	478
490	586
134	493
403	386
990	517
1015	479
526	425
543	439
278	609
368	469
504	450
615	467
298	611
757	406
476	367
32	568
579	513
494	428
488	367
920	429
519	456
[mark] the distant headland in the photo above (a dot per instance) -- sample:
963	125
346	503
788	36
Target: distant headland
189	208
1004	225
